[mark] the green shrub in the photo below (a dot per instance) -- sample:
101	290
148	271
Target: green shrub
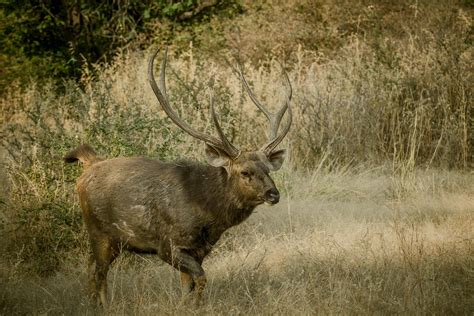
45	38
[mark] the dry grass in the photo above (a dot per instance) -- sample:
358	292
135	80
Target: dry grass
340	243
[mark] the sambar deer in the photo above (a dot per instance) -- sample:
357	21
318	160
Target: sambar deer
177	210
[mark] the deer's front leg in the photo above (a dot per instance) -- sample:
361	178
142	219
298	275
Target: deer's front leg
187	283
193	276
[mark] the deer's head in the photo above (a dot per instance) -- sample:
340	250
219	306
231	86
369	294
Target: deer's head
249	171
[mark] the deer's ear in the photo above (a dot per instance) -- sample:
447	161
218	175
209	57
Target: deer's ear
216	157
276	159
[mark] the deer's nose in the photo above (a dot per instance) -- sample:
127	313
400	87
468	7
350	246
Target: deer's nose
272	196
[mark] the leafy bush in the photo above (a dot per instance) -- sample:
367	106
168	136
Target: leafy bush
44	38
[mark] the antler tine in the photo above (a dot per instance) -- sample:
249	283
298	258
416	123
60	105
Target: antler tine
270	146
160	93
275	123
251	95
228	145
162	82
274	119
275	140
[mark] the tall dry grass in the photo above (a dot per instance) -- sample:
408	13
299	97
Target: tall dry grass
338	244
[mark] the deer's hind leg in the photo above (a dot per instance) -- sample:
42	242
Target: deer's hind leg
104	251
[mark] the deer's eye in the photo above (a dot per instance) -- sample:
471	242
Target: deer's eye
245	174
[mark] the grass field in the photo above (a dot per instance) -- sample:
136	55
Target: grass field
341	242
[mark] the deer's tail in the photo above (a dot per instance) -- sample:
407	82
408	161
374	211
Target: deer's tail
84	153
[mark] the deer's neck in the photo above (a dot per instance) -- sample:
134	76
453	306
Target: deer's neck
217	194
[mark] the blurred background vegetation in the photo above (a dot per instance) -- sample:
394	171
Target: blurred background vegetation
59	37
377	83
